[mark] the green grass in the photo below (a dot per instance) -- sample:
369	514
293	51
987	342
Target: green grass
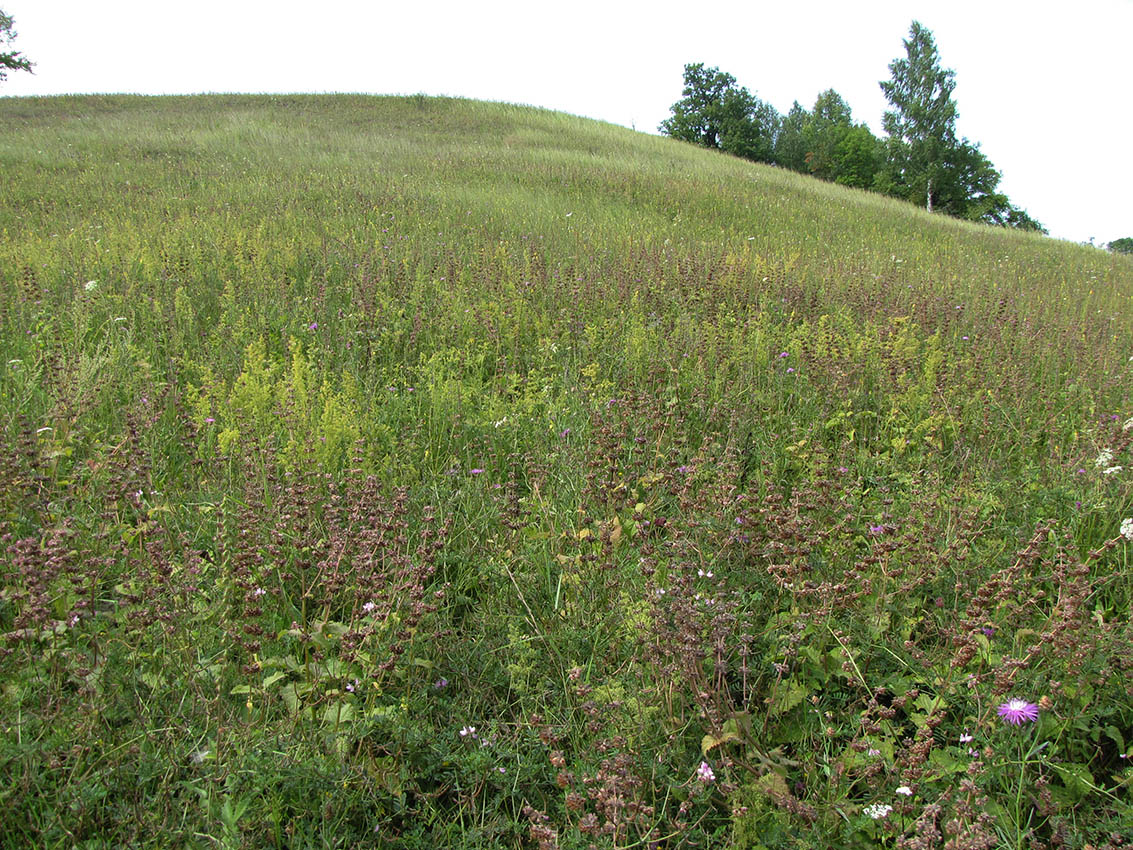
335	426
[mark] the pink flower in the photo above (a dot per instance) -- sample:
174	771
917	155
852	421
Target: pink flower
704	772
1016	711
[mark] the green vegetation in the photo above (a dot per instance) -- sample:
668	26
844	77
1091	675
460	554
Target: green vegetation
10	60
920	160
412	473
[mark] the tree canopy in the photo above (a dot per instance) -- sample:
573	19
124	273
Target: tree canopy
10	60
922	124
716	113
921	159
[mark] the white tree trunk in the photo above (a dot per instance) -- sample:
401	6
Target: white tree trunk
928	194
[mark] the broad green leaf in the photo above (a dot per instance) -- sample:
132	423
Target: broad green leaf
273	678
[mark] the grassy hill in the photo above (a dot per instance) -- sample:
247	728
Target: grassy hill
411	472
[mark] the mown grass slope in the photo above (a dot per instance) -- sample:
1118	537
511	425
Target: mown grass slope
411	472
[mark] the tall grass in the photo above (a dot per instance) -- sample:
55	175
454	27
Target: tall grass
412	472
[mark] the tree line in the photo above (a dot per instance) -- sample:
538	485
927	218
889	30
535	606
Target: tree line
921	158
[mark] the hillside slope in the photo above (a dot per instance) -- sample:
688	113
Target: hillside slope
720	501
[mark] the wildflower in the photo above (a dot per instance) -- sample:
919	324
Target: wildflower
368	607
209	420
989	631
790	369
873	751
476	471
1128	424
1127	528
904	791
966	738
468	732
704	772
784	354
90	285
1113	470
1104	458
878	810
441	683
1016	711
876	529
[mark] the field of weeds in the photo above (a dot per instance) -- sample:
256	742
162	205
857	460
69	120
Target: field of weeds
414	473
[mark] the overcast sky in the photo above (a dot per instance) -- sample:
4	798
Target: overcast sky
1044	87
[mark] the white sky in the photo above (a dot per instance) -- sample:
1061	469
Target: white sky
1042	85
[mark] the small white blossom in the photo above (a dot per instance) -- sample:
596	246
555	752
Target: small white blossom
468	731
905	791
1113	470
1127	528
1104	458
90	285
878	810
1128	424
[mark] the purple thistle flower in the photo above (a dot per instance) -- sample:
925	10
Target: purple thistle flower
1018	711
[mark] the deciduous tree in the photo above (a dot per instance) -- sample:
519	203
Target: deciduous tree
716	113
10	60
922	124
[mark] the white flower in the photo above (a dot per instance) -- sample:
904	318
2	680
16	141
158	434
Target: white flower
878	810
1113	470
1128	424
905	791
90	285
1127	528
704	772
1104	458
966	738
468	731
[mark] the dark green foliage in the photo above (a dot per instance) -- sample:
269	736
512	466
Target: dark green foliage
922	124
790	144
922	160
859	155
10	60
715	113
1122	246
926	162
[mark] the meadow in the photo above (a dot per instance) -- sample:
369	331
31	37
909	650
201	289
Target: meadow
417	472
